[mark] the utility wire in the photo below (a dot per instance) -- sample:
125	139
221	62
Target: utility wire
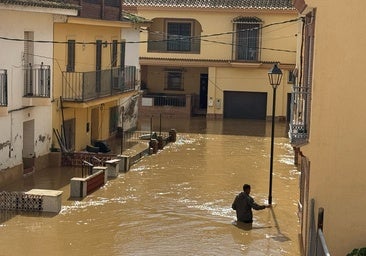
178	37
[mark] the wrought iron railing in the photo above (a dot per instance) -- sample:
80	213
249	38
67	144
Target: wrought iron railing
173	43
84	86
37	80
3	87
317	243
300	114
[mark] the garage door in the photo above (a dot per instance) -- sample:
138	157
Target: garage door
245	105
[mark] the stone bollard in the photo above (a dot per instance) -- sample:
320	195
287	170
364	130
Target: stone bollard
112	167
172	135
153	144
124	164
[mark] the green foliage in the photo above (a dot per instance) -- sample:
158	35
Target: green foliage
358	252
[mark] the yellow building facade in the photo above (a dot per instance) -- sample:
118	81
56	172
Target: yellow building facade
328	127
218	55
93	85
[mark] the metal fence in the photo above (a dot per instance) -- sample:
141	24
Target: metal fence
317	243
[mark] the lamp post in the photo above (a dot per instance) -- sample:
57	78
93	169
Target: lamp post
275	76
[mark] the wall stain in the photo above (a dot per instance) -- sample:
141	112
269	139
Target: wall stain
41	138
4	145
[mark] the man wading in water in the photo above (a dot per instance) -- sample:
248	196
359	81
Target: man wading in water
243	205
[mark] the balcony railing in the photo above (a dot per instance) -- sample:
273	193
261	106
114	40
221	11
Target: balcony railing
181	44
85	86
37	81
300	112
165	100
3	88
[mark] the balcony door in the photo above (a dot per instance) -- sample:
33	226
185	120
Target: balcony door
179	36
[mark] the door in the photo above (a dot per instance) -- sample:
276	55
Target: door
70	134
203	91
28	147
245	105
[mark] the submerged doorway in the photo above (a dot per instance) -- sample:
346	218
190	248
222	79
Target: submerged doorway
203	91
94	124
28	147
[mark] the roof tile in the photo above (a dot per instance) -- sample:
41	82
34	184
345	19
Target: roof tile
225	4
63	4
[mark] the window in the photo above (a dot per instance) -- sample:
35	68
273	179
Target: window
70	56
291	77
122	54
174	36
179	36
174	79
246	38
114	53
3	87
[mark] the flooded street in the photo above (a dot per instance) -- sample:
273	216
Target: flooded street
177	202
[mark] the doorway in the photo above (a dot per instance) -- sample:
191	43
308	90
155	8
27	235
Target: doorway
203	91
28	147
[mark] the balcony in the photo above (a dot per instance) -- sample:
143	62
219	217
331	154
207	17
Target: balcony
86	86
175	44
300	113
180	36
37	83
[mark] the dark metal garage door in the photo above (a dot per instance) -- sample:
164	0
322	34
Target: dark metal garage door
245	105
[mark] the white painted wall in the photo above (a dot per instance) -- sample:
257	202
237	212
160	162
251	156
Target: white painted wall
132	49
132	59
13	23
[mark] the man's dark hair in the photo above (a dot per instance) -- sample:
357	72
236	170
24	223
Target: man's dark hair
246	186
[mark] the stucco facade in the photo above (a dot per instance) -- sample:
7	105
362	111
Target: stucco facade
25	111
99	53
333	152
213	55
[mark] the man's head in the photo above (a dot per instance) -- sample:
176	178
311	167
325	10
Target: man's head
246	188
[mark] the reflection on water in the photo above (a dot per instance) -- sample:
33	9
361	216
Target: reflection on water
175	202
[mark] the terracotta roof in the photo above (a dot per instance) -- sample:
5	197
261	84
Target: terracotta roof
62	4
134	18
219	4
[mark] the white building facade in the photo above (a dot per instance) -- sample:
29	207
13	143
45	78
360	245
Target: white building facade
26	62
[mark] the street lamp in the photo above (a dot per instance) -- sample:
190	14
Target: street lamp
275	76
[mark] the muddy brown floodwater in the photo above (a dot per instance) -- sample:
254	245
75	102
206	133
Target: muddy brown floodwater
177	202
